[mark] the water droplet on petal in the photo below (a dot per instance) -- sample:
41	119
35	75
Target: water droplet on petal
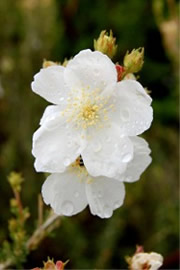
107	211
99	194
117	204
125	115
128	179
108	139
61	99
97	147
127	157
67	208
67	162
116	145
69	143
76	194
125	146
96	72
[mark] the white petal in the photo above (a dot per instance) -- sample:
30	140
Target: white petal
51	114
90	69
49	84
107	153
133	112
140	161
104	195
65	193
55	146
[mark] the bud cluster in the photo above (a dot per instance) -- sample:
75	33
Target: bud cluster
106	44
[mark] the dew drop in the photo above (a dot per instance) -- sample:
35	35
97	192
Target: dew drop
97	147
99	194
125	146
116	145
117	204
69	143
126	158
128	179
96	72
108	139
76	194
125	115
61	99
107	211
67	162
67	208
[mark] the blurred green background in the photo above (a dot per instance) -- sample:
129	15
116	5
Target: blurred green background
32	30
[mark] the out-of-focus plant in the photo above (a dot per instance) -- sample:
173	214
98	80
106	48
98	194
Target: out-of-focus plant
50	265
168	23
15	251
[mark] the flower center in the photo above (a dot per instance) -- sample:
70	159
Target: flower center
89	114
87	108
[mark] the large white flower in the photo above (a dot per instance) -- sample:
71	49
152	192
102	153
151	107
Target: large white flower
70	192
94	116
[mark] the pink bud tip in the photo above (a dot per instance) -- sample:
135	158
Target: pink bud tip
120	71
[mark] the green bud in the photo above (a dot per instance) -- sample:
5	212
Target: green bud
13	203
13	225
134	60
106	44
15	180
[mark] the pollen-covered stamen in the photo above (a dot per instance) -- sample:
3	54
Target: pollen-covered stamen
87	108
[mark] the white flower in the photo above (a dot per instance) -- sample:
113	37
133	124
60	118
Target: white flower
146	261
94	116
70	192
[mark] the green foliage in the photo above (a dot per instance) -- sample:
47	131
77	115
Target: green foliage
16	250
47	29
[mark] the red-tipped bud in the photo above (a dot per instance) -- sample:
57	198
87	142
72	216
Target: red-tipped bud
120	72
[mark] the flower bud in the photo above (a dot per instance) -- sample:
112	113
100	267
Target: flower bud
130	76
144	261
134	60
13	225
50	265
60	265
106	44
48	63
15	180
13	203
120	72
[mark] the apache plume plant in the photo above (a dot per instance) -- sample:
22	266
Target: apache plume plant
87	139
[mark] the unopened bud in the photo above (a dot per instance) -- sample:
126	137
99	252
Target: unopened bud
64	64
13	203
48	63
50	265
130	76
15	180
12	224
134	60
120	72
106	44
60	265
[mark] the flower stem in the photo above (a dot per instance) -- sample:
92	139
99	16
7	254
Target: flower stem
39	234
